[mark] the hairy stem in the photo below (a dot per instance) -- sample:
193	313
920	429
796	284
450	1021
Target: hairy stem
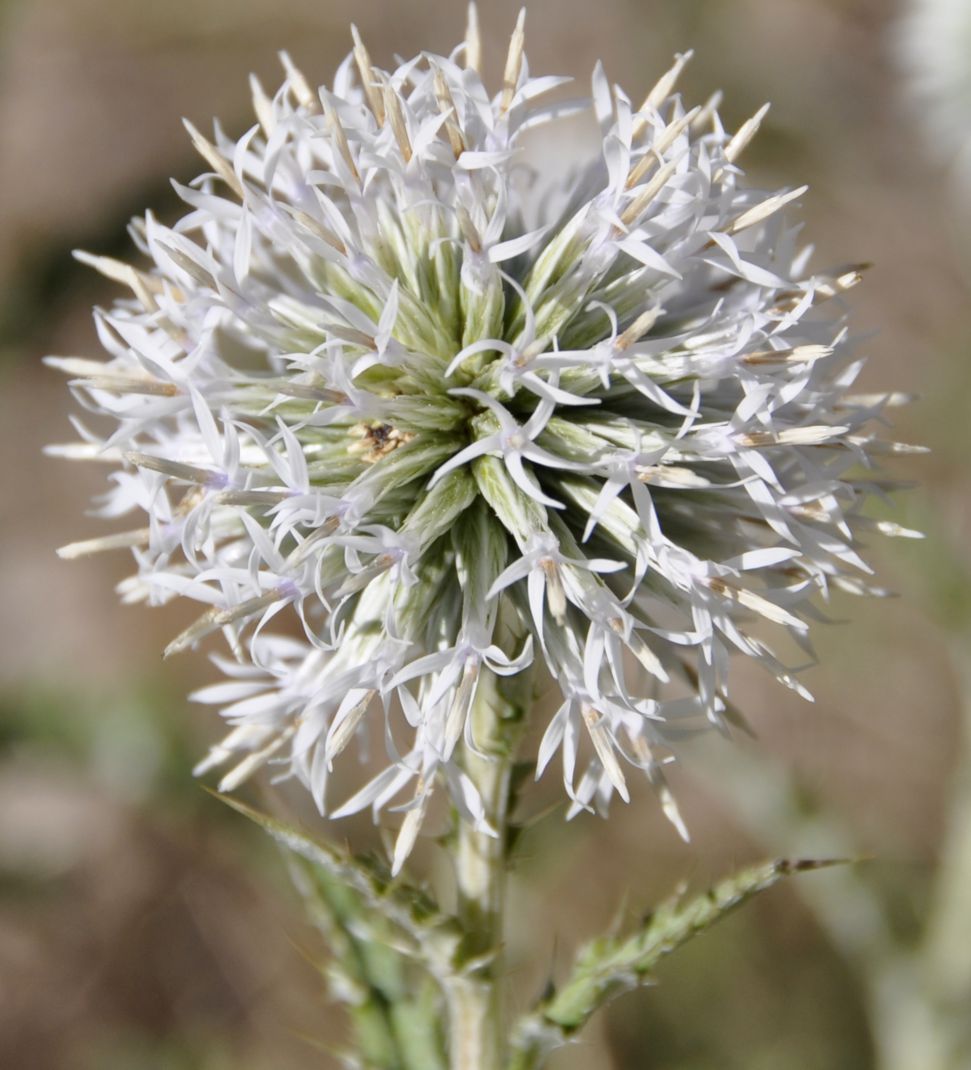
476	1031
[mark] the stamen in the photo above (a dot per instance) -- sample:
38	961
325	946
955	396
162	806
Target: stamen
738	143
215	159
338	739
514	61
603	745
658	147
410	827
555	594
122	540
340	136
649	191
246	768
707	113
660	93
190	473
642	749
755	602
473	41
824	288
216	618
142	285
125	384
806	354
262	105
369	80
392	108
316	227
447	105
468	229
811	435
301	88
636	331
758	212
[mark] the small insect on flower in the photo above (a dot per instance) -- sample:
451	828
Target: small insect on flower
385	377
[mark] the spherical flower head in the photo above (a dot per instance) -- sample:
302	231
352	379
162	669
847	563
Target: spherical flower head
459	415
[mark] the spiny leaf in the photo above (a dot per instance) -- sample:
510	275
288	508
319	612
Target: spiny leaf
352	978
611	964
396	1012
421	929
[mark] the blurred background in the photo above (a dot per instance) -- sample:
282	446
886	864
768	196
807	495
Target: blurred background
142	925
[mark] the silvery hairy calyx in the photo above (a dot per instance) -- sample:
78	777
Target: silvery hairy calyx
425	431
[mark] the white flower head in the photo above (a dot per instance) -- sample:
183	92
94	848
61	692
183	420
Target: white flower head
386	378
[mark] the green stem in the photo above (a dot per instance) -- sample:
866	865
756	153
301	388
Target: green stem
477	1038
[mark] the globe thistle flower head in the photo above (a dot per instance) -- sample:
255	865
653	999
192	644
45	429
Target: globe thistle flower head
459	414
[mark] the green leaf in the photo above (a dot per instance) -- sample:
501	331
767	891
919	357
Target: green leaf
388	945
395	1021
420	930
609	965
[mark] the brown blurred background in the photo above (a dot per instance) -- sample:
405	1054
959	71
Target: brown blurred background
142	925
